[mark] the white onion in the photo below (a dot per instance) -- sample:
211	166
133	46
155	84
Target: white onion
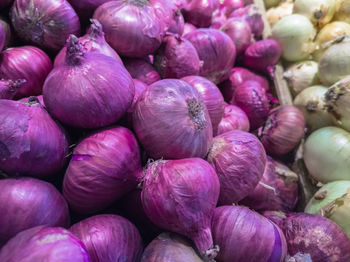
342	11
275	14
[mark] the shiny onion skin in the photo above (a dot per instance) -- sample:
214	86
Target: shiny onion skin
251	97
218	19
45	23
170	247
176	58
25	62
277	190
180	196
109	238
188	28
131	27
39	203
89	90
53	244
199	12
31	142
230	5
283	130
239	160
104	167
244	235
93	41
216	50
171	121
212	98
142	70
9	88
233	118
317	236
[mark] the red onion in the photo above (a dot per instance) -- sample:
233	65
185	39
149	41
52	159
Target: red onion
139	88
176	58
86	8
251	97
41	243
26	62
93	41
263	55
166	11
170	247
199	12
171	121
109	238
142	70
104	167
251	14
244	235
283	130
234	118
9	88
38	202
212	98
5	3
31	142
239	32
218	19
177	24
7	29
45	23
277	190
132	27
180	196
239	160
216	50
317	236
179	3
230	5
90	90
188	28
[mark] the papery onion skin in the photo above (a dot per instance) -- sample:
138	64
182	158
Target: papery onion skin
239	160
100	95
191	182
212	98
177	24
131	27
45	23
104	167
139	88
282	193
170	247
233	118
31	142
142	70
109	238
171	121
218	19
326	154
26	62
275	14
188	28
39	202
342	11
216	50
244	235
199	12
9	88
283	130
230	5
54	244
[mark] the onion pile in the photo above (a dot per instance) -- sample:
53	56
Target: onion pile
199	12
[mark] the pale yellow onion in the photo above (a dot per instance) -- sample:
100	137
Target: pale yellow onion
327	154
301	75
275	14
320	12
311	102
295	33
271	3
342	11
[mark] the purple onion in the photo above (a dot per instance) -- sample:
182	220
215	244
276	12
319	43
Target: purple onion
9	88
239	160
54	244
176	58
94	41
7	29
188	28
46	23
167	12
315	235
230	5
89	90
142	70
177	24
216	50
283	130
131	27
26	62
139	88
199	12
180	196
31	142
234	118
104	167
277	190
212	98
86	8
171	121
244	235
218	19
39	203
109	238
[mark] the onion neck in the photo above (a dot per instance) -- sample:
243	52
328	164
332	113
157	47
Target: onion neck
204	243
75	51
196	114
95	30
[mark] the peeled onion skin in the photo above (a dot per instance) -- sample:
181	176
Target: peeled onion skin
9	88
234	118
142	70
